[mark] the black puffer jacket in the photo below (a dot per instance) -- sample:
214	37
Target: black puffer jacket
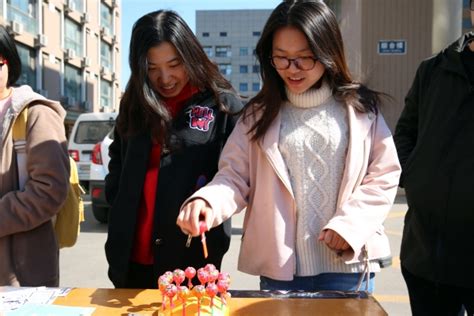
435	143
198	135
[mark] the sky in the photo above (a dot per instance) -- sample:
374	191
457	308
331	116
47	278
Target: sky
132	10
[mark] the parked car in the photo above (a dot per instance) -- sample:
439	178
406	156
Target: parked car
88	129
99	169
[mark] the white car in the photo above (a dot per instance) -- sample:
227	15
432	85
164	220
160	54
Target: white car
99	169
88	129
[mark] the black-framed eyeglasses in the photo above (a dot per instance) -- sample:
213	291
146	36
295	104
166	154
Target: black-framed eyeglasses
302	63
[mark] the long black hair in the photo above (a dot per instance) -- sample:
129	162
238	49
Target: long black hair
9	52
140	107
319	24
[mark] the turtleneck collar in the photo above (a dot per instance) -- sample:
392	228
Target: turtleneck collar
311	97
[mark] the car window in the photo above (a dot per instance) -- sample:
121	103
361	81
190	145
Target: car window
91	132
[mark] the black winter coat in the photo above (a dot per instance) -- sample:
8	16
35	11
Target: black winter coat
198	135
435	142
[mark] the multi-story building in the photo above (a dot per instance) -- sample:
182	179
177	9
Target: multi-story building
229	38
69	51
385	40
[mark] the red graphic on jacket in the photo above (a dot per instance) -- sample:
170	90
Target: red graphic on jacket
200	118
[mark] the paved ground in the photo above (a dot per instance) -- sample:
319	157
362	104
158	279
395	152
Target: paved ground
84	265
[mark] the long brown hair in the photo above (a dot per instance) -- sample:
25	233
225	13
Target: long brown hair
319	24
140	107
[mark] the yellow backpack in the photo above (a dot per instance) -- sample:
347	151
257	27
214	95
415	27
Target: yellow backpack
68	220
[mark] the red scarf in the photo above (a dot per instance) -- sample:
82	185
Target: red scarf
142	251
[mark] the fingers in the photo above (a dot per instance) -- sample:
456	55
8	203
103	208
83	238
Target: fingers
191	213
333	240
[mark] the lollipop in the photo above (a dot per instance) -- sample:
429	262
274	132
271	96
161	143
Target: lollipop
178	276
203	275
170	291
224	276
183	294
210	267
168	275
190	272
162	284
211	290
222	287
199	291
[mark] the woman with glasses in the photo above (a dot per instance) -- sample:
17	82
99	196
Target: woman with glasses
311	162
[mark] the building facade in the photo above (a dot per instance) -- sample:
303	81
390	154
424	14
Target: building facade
385	41
70	51
229	38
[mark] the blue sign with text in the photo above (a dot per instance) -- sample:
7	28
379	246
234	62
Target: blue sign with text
392	47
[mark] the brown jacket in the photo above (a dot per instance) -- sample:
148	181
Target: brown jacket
29	254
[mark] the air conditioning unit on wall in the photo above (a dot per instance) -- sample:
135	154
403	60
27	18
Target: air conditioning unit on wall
41	40
70	6
70	54
16	28
86	62
86	18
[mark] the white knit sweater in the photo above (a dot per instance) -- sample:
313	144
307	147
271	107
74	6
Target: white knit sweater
314	136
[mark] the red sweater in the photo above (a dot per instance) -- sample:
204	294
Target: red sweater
143	245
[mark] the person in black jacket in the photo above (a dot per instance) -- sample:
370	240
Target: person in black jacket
175	115
435	142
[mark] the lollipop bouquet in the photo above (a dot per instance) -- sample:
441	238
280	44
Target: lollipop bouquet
208	298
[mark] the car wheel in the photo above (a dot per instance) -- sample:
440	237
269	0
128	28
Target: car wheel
100	213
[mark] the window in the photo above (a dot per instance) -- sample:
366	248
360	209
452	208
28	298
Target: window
28	69
256	69
243	86
223	34
208	50
225	69
256	33
205	34
72	84
256	86
73	36
77	4
105	93
105	55
244	69
223	51
244	51
106	18
23	12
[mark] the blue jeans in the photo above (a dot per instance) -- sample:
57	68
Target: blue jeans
320	282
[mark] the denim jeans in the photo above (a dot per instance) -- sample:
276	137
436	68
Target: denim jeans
320	282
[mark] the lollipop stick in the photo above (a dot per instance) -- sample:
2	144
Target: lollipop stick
203	228
204	244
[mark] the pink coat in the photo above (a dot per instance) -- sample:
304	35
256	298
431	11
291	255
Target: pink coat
254	175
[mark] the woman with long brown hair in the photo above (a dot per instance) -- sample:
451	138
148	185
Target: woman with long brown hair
175	116
311	162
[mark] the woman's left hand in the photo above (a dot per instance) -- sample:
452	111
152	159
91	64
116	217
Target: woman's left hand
333	240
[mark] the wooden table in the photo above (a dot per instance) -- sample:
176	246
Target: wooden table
148	302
